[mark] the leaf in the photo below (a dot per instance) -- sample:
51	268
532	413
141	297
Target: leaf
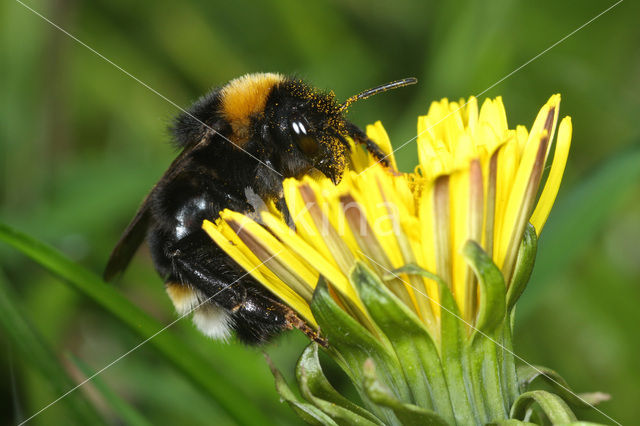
23	336
126	413
452	348
524	266
316	389
554	407
408	414
412	343
352	344
195	367
307	412
527	374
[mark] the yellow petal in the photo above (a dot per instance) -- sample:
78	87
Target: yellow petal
305	225
378	134
492	113
541	119
359	158
551	187
470	112
284	263
521	195
506	169
427	235
459	232
253	266
442	227
302	248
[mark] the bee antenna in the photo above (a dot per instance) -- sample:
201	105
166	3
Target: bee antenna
383	88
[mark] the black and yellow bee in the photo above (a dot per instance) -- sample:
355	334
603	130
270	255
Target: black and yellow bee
238	141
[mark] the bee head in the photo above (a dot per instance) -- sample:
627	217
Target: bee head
310	128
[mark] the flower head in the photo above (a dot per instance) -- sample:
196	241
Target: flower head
477	179
412	277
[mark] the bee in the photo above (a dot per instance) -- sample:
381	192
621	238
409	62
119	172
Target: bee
238	142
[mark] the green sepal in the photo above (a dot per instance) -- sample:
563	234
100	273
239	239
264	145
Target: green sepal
472	365
492	308
316	389
486	378
452	354
554	408
528	373
307	412
408	414
486	340
510	384
351	345
412	343
523	267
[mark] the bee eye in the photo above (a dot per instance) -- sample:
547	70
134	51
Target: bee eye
308	145
299	128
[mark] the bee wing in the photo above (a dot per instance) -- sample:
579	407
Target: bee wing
129	241
136	231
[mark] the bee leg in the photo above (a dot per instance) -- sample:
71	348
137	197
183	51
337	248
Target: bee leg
198	262
268	185
281	205
359	136
259	310
300	324
258	318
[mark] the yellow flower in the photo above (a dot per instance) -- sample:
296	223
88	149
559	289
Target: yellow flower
477	180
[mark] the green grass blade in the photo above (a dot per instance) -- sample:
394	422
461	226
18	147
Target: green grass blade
29	344
225	393
126	413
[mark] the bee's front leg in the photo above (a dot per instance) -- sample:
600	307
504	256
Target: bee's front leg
359	136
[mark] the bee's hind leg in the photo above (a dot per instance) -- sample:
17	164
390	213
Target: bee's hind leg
248	308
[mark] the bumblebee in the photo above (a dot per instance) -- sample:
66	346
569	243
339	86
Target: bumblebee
237	142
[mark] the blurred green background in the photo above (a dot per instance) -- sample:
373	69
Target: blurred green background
81	143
